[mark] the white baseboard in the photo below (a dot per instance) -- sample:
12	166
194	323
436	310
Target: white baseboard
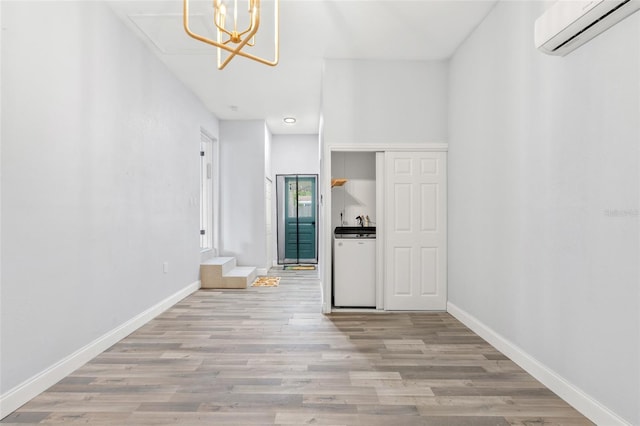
21	394
588	406
262	271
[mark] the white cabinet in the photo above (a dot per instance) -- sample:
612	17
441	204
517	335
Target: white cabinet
354	268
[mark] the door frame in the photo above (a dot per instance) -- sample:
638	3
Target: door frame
281	220
268	192
324	218
214	195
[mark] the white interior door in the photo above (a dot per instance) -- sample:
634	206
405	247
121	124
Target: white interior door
416	231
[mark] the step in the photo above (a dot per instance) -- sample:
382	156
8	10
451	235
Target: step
226	263
222	272
213	270
240	277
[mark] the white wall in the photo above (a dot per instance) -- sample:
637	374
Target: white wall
100	182
358	195
1	117
243	215
372	102
294	154
543	153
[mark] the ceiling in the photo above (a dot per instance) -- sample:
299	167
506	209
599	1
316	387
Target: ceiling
310	31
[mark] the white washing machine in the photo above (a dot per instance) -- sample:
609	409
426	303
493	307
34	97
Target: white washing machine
354	267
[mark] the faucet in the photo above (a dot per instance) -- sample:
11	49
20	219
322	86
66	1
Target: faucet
359	220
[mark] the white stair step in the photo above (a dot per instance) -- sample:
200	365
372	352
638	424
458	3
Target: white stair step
241	271
226	263
240	277
222	272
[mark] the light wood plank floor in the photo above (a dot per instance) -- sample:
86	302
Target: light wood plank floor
267	356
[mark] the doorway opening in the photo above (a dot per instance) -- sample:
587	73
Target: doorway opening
297	211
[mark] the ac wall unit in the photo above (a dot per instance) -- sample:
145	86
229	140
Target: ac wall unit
568	24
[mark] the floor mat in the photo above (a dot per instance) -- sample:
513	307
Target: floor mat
266	282
299	267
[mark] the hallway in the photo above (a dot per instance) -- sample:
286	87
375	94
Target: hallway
266	355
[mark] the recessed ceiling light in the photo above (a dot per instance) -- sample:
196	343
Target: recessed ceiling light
290	120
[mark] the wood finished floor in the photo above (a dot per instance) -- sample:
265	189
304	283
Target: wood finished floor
267	356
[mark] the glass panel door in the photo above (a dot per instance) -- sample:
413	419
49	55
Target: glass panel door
297	233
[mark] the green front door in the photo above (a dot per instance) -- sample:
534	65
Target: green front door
300	218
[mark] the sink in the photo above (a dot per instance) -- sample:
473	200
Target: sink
355	232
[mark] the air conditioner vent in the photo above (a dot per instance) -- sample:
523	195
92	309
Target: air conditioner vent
569	24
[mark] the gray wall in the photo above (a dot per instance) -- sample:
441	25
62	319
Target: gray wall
100	181
544	190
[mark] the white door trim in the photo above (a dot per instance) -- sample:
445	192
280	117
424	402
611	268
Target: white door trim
380	264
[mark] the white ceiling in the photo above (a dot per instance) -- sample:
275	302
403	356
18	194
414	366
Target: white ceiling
310	31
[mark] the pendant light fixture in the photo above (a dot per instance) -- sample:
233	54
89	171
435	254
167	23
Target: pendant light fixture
231	41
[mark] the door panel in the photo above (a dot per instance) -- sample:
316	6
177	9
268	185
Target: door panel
429	213
429	271
416	238
404	199
402	271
